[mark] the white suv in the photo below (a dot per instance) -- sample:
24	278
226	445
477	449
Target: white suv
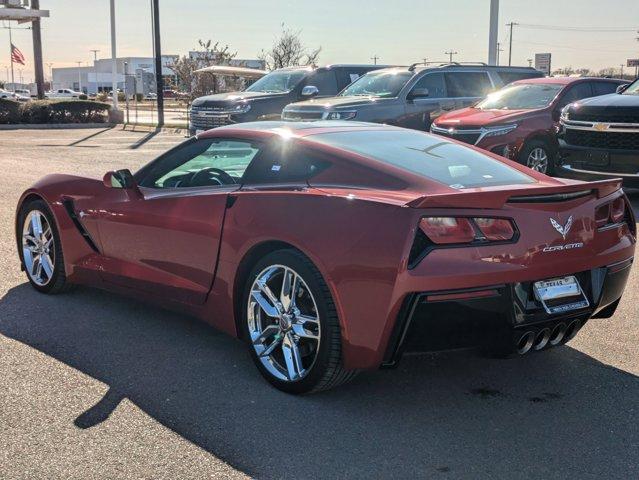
63	93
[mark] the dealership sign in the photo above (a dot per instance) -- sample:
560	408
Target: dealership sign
542	62
633	62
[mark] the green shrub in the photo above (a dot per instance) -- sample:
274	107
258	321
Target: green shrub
83	97
36	111
139	97
9	111
102	97
121	97
79	111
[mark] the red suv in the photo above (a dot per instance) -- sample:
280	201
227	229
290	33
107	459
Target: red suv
520	120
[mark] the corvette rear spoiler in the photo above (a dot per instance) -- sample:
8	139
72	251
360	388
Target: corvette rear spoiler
499	197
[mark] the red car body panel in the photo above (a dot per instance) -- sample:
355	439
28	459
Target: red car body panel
356	222
538	123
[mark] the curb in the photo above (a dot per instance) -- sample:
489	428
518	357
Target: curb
141	127
55	126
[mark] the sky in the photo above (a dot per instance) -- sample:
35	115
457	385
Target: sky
578	33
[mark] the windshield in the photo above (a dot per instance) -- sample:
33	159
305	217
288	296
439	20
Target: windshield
378	84
278	81
633	89
521	96
439	159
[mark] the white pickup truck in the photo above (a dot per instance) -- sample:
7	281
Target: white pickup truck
63	93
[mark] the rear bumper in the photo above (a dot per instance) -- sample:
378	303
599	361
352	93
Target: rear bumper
495	318
584	163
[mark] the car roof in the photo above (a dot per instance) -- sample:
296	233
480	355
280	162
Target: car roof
565	80
331	66
300	129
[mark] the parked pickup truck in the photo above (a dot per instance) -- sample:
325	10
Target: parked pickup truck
599	137
265	98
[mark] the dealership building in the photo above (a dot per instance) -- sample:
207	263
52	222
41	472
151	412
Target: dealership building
97	78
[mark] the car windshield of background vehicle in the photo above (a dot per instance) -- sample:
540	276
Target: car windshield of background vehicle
378	84
278	82
633	89
521	97
441	160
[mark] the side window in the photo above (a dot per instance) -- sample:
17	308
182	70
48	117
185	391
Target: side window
283	162
468	84
325	82
604	88
211	162
434	82
346	77
574	93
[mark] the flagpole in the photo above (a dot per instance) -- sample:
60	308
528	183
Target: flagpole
11	56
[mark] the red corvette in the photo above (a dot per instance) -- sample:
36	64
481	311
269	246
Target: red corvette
333	247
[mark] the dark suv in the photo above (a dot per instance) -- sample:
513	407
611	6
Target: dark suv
599	137
265	98
410	96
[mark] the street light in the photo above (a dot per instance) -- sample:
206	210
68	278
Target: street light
79	76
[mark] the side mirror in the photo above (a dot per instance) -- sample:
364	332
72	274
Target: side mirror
418	93
310	91
621	88
119	179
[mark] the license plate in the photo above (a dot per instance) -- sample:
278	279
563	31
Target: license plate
559	295
600	159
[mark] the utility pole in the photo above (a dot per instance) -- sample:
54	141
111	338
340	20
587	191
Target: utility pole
159	81
499	50
450	55
114	67
493	46
621	70
530	62
510	48
374	58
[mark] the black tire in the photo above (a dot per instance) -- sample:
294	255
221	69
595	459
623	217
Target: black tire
530	146
327	371
58	282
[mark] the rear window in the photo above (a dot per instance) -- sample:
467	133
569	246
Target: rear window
430	156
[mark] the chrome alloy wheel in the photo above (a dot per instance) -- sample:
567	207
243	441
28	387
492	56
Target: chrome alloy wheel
38	248
538	160
284	328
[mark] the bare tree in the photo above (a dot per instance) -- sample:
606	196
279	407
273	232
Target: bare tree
288	50
201	84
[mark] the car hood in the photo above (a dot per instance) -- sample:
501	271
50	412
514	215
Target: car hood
230	98
478	117
336	102
612	105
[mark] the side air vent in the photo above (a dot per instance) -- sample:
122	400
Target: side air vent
69	207
551	198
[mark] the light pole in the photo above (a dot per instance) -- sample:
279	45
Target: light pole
374	58
493	46
114	69
79	76
95	69
510	47
450	55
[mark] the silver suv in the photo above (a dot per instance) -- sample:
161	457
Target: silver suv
411	96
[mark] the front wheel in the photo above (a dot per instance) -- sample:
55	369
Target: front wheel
291	323
40	249
537	155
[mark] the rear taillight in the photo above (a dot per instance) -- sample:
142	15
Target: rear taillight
467	230
447	230
614	213
495	229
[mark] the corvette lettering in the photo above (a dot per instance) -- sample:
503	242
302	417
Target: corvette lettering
559	248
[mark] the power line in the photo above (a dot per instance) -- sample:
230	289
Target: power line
577	29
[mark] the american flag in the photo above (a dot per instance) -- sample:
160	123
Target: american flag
16	55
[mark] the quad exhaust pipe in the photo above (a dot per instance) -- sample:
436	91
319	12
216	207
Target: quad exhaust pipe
539	339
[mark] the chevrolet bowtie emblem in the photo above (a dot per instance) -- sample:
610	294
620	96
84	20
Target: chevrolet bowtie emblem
600	127
563	230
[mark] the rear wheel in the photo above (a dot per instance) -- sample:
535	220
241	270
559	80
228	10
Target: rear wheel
537	155
291	323
40	249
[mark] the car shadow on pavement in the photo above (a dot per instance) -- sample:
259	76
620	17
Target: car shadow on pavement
557	414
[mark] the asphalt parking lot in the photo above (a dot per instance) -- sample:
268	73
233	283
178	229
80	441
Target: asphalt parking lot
93	385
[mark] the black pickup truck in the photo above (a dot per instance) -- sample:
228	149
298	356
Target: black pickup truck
599	137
